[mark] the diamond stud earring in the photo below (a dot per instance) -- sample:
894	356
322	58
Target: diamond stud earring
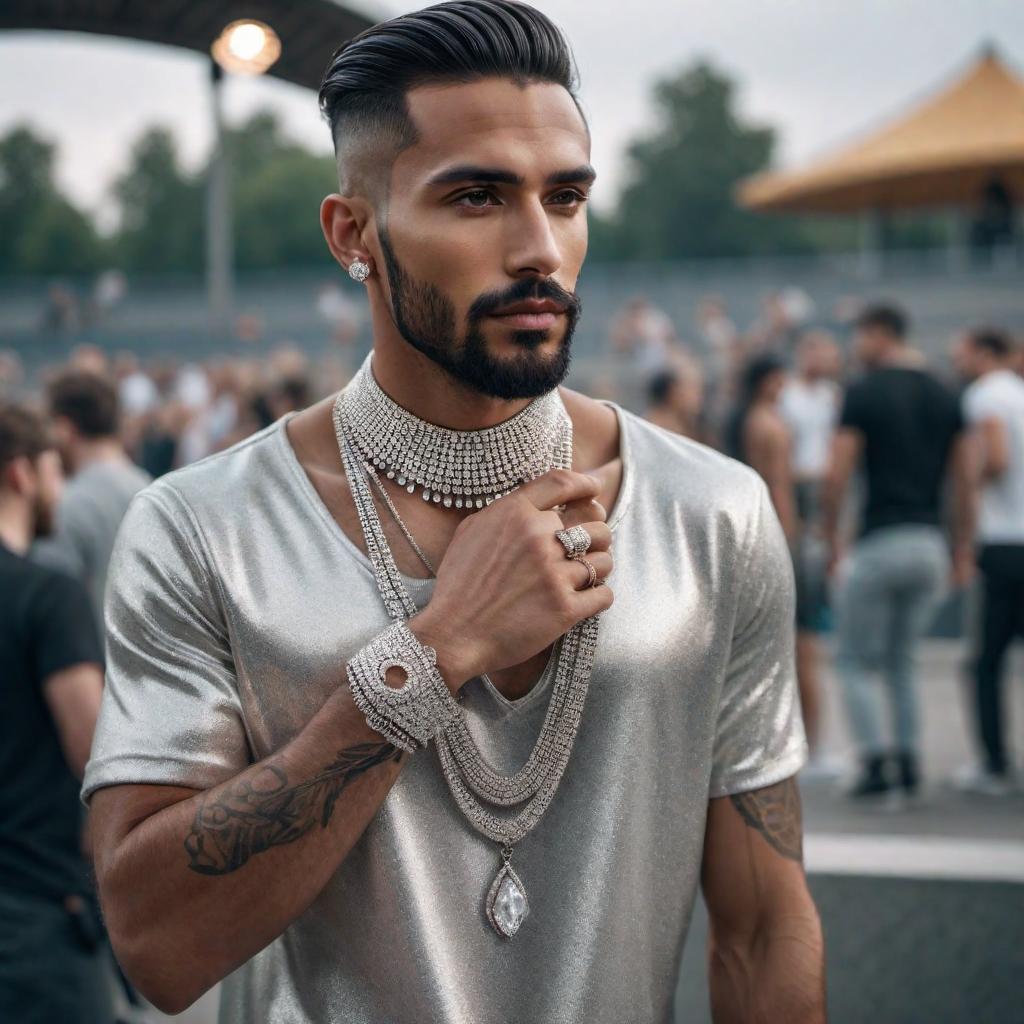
359	270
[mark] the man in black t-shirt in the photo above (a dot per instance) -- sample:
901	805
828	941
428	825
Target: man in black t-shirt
904	430
51	966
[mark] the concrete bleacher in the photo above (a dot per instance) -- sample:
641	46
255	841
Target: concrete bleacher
167	314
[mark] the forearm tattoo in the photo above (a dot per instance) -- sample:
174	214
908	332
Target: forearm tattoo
775	812
263	810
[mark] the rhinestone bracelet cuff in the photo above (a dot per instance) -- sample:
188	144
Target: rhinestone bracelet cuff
414	713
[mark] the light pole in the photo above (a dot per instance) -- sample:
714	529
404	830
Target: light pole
247	48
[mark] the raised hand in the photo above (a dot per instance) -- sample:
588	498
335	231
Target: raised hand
505	589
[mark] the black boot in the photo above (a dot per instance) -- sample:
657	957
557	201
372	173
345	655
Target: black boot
873	780
908	772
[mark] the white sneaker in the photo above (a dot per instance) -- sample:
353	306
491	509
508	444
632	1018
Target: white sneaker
823	767
973	778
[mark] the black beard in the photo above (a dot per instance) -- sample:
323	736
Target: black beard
425	318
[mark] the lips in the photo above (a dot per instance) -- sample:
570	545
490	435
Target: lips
530	314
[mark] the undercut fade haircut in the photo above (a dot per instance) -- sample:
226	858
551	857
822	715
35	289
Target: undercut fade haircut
363	91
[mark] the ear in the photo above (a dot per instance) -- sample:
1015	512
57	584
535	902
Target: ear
18	476
344	220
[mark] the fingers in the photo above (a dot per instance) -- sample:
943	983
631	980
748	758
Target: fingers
583	511
600	560
559	487
591	601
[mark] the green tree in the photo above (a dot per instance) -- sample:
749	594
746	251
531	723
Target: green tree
161	208
277	190
678	202
42	231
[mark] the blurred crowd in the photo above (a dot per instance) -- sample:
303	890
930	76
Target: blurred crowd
894	481
171	413
898	484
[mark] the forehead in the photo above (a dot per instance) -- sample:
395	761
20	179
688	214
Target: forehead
531	129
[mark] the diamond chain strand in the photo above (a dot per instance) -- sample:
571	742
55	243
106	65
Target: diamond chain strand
465	768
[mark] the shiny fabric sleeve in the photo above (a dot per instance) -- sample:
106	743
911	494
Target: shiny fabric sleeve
170	712
759	736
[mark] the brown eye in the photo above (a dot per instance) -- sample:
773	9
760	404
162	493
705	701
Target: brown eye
477	199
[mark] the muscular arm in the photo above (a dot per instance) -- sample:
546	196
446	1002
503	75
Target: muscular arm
963	492
845	453
769	448
995	449
73	697
766	952
195	883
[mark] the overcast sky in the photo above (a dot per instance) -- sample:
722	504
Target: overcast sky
818	70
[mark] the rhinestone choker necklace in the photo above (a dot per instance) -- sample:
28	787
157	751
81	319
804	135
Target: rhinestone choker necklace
455	468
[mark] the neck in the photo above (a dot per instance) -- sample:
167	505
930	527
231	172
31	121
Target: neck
15	527
99	449
420	386
899	354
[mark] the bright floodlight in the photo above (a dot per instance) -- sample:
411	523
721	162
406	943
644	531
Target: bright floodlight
246	47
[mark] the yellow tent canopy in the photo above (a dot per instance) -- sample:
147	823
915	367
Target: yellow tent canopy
945	152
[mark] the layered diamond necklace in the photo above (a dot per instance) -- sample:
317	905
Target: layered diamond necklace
470	469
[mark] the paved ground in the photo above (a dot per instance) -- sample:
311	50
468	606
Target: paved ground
946	746
923	909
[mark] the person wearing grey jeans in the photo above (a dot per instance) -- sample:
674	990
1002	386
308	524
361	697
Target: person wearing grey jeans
889	590
903	431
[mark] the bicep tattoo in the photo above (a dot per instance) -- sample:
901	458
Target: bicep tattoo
775	812
262	810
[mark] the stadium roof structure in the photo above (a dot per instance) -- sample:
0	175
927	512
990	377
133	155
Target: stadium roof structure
944	152
309	31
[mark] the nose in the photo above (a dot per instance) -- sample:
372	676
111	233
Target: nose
532	248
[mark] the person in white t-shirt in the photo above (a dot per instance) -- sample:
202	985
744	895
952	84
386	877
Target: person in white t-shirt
809	405
993	405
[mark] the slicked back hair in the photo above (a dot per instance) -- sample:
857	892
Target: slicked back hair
363	91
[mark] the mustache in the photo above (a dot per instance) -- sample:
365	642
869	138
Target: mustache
528	288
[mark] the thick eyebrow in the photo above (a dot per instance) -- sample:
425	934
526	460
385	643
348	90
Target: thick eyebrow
499	176
469	172
584	174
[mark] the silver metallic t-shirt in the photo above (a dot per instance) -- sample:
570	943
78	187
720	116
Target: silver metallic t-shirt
235	600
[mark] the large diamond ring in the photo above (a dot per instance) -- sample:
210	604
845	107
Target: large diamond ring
575	540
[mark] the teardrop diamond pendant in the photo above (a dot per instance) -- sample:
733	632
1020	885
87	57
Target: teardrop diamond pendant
506	903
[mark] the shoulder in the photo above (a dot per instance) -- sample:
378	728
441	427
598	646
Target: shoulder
678	471
225	481
188	519
769	423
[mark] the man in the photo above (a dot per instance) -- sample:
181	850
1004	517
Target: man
275	648
904	429
994	408
51	969
675	398
86	428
